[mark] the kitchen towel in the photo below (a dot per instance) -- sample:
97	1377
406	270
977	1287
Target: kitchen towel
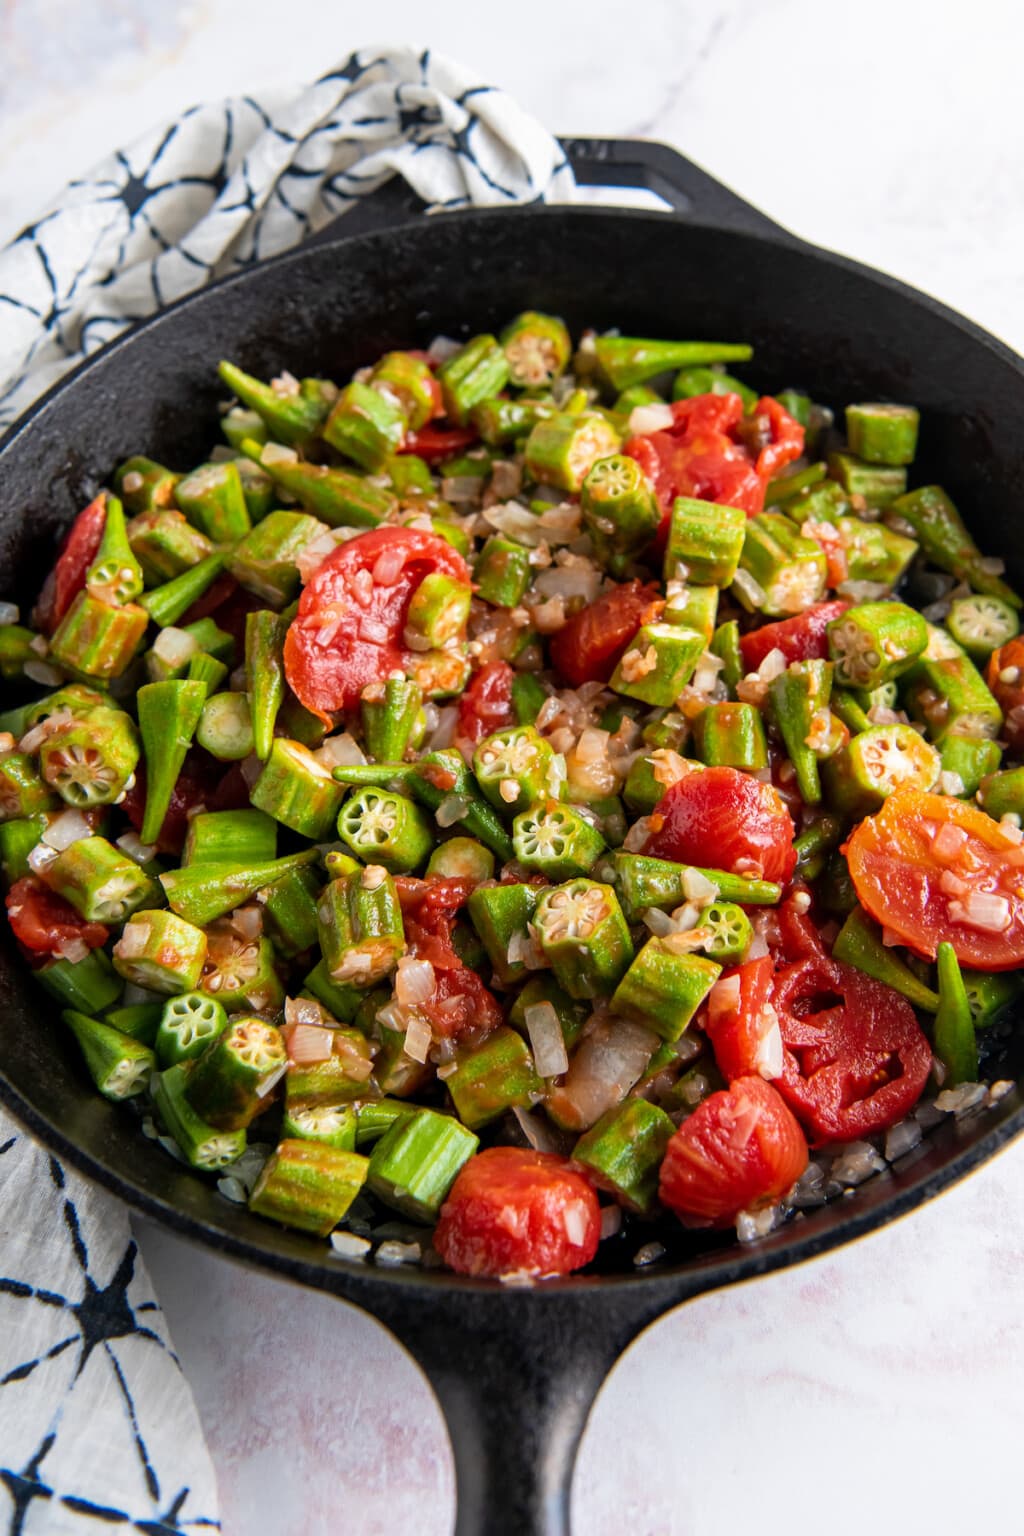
98	1429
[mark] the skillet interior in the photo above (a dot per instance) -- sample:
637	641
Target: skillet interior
816	321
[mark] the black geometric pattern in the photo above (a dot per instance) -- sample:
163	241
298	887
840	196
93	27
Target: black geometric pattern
231	183
97	1425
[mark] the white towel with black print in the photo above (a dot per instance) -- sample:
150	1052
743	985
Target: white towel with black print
98	1429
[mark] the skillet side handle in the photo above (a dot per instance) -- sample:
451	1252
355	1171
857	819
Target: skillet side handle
516	1374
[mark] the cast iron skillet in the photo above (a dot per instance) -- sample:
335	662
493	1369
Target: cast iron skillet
516	1370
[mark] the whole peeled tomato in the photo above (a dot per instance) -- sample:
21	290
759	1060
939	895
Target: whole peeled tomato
721	818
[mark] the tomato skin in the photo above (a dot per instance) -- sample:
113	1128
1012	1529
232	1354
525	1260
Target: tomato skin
590	646
509	1210
898	877
486	705
435	444
839	1076
349	628
1009	695
461	1004
735	1029
741	1147
44	922
77	553
804	637
722	818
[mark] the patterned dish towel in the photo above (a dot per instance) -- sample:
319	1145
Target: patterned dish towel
98	1429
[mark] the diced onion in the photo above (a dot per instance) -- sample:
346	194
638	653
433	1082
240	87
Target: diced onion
308	1043
574	1219
133	940
43	673
10	613
277	453
546	1042
415	982
41	858
67	828
131	844
650	418
341	751
723	999
348	1245
174	646
271	1080
452	809
697	887
417	1038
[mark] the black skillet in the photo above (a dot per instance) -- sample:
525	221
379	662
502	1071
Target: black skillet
515	1370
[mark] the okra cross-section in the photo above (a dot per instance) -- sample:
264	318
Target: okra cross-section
100	881
658	664
119	1065
360	926
386	828
705	541
231	1082
515	768
160	951
202	1145
877	762
556	840
187	1025
780	570
584	937
875	643
297	790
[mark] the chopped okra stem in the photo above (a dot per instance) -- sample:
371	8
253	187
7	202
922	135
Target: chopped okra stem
225	727
955	1044
883	434
627	360
293	412
168	716
115	575
119	1065
232	1080
168	603
415	1163
642	882
389	712
944	540
202	1145
199	893
264	675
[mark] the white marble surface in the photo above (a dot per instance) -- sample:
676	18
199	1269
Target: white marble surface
893	1370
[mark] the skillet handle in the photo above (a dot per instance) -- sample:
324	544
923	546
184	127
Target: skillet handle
516	1374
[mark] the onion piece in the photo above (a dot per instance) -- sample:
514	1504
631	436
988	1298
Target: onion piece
546	1041
67	828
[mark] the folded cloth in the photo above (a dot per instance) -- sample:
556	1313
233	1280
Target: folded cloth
97	1424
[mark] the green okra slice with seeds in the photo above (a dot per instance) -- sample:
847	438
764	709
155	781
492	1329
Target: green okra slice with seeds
537	349
660	661
441	674
946	692
339	498
168	716
491	1078
859	943
23	791
502	572
297	790
232	1081
478	371
366	424
389	713
102	884
622	1152
160	951
144	485
199	893
188	1024
308	1185
264	675
166	544
240	970
266	561
728	932
382	827
289	906
694	608
90	759
515	768
115	575
781	571
879	484
955	1043
799	703
623	361
292	411
881	433
203	1146
731	736
461	858
501	916
991	993
89	986
168	603
212	498
562	448
664	986
415	1163
642	881
225	727
945	542
620	511
119	1066
873	551
556	840
411	379
875	643
97	639
230	837
705	542
970	758
877	762
437	612
332	1125
360	926
981	624
583	935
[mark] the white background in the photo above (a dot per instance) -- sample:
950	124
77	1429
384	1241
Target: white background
881	1389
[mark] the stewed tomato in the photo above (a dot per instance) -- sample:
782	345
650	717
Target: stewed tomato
721	818
45	923
77	553
740	1148
589	647
804	637
1005	676
350	626
739	1019
435	444
486	705
461	1004
930	868
515	1211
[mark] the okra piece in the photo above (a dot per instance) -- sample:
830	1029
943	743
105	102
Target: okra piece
620	511
690	382
382	827
212	499
166	605
332	1125
115	575
798	700
441	674
873	551
297	790
729	932
781	491
200	893
543	990
411	380
293	411
642	790
161	951
338	497
876	763
225	727
90	985
240	972
624	361
144	485
515	768
528	697
165	544
187	1026
814	845
879	484
396	1072
289	906
201	1145
437	778
258	488
415	1163
859	943
948	694
502	572
461	858
642	881
308	1185
140	1020
694	608
502	422
622	1152
663	988
583	935
725	644
360	926
883	434
954	1039
231	1082
537	349
492	1078
103	884
835	889
265	561
561	449
118	1065
168	716
705	542
847	708
730	736
264	675
971	758
556	840
376	1116
780	571
981	624
90	760
437	613
501	916
230	837
659	663
169	655
1002	794
23	792
991	993
95	639
875	643
945	542
366	425
240	425
341	999
17	840
15	650
478	371
389	713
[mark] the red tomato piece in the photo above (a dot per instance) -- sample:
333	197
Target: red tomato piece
45	923
1005	676
77	553
740	1148
486	705
722	818
804	637
515	1211
738	1016
930	868
461	1004
352	614
590	646
856	1060
435	444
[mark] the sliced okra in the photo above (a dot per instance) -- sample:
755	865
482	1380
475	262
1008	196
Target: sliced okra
561	449
799	700
297	790
381	827
492	1077
981	624
874	643
100	882
366	424
537	349
658	664
339	498
212	499
664	987
188	1023
199	893
264	675
622	1152
502	572
781	572
624	361
293	411
239	971
583	935
160	951
115	576
879	484
415	1163
360	924
266	561
119	1066
225	727
168	716
165	544
202	1145
96	639
620	511
166	604
877	762
231	1082
705	542
945	542
478	371
883	433
556	840
859	943
144	485
23	790
90	985
501	916
515	768
308	1185
731	736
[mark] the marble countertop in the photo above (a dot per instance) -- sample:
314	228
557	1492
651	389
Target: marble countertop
866	131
